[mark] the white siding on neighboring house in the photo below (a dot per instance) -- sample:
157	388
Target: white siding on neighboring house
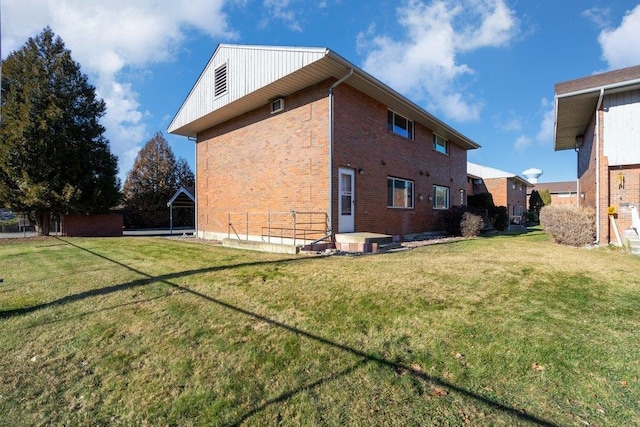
248	69
622	128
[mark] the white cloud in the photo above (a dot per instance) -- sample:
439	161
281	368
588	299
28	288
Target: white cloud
621	45
599	16
424	62
521	143
282	11
107	37
546	129
508	122
546	132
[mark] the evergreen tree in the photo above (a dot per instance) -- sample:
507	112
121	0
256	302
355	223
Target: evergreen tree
152	181
54	158
184	175
535	202
545	195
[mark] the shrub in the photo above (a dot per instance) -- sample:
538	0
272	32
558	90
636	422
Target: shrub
471	224
451	219
531	217
569	225
499	217
459	222
9	225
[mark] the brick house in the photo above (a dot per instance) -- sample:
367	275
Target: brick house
599	117
298	143
562	192
507	189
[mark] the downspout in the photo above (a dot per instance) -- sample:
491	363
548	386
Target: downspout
195	185
577	150
333	86
598	105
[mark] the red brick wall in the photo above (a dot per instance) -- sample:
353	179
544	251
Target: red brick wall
606	233
625	192
504	194
109	225
498	189
587	167
557	200
261	162
362	141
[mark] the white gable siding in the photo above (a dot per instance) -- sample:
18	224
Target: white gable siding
248	69
622	128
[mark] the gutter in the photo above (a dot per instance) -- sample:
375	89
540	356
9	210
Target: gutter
600	89
333	86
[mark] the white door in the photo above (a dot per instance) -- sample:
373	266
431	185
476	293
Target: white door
346	194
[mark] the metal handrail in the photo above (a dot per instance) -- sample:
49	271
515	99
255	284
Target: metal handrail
278	224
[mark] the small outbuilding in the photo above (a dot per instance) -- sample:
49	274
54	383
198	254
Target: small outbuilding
184	197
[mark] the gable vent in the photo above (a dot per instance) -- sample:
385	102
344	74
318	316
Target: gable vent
220	84
277	105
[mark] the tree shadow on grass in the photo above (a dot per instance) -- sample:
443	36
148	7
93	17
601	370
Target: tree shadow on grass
86	313
364	357
291	393
146	280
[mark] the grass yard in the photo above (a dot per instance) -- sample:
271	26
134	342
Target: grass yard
508	330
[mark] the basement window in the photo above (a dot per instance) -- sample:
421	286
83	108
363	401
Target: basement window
220	82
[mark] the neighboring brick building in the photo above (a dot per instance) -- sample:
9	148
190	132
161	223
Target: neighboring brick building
599	117
79	225
507	189
562	193
298	142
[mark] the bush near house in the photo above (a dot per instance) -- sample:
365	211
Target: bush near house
460	222
451	219
569	225
498	215
471	224
531	217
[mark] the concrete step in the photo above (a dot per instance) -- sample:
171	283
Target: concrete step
632	242
362	242
391	247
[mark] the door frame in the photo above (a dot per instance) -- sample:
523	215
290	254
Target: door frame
346	223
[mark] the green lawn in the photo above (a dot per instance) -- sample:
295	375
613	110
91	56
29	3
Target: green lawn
505	330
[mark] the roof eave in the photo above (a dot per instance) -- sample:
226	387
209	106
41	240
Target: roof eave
331	65
575	109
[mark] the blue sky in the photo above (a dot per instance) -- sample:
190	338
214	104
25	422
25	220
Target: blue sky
485	67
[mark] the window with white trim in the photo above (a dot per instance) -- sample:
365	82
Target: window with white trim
399	193
440	197
440	144
399	124
220	80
